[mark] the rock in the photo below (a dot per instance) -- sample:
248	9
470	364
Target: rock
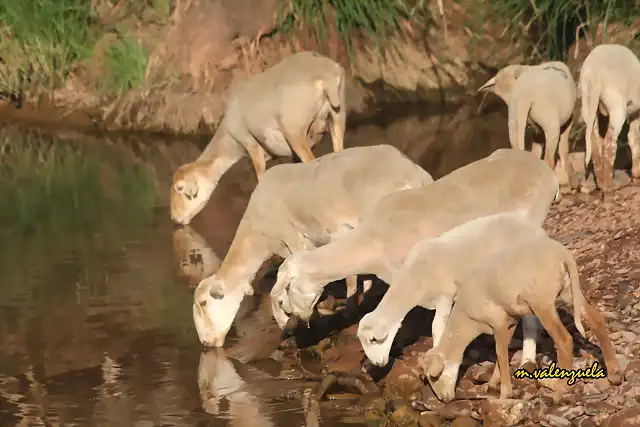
551	420
590	389
404	416
569	412
601	384
466	421
503	412
628	417
597	408
403	382
456	409
429	420
632	369
529	391
480	373
584	421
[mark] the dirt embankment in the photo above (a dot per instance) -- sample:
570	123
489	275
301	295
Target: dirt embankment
205	44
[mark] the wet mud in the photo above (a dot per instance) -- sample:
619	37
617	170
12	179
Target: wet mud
96	323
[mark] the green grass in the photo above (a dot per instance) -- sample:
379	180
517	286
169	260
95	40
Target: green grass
127	61
556	21
40	41
375	19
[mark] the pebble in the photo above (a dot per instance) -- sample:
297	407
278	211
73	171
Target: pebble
551	420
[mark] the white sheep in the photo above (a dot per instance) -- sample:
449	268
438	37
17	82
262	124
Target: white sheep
195	258
297	207
428	279
278	112
524	279
610	82
218	379
506	180
545	94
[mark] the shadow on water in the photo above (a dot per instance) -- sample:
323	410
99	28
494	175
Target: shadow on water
96	282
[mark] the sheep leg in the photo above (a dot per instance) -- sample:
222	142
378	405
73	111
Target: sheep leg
443	309
617	117
299	142
366	285
530	329
502	336
565	171
337	127
352	289
551	136
536	149
256	153
597	324
562	340
634	145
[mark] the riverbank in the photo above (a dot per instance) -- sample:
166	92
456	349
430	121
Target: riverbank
165	67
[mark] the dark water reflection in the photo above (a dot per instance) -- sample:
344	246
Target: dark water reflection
96	289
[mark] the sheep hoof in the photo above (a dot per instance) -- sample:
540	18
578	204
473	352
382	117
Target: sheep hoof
558	386
607	196
615	378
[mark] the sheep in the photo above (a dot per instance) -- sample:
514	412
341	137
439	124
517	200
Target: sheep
545	94
524	279
218	379
195	258
297	207
428	279
271	114
610	82
506	180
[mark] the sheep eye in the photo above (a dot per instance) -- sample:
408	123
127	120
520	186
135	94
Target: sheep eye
373	340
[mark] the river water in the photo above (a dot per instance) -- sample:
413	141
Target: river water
96	282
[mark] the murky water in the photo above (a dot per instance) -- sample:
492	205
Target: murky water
96	282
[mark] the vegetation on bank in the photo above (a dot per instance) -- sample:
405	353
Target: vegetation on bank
45	44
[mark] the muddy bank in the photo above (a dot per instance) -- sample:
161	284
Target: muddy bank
186	61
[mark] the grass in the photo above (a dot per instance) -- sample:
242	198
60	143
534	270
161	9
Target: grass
374	19
556	22
127	62
40	41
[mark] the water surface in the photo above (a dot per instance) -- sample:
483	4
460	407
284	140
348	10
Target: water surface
96	282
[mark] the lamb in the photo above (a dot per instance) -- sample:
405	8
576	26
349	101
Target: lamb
296	207
195	258
525	278
506	180
610	82
545	94
218	379
271	114
428	279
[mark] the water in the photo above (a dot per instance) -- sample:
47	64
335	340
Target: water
96	282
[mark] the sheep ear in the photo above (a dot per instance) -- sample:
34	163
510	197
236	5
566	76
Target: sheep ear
216	290
517	70
179	186
488	86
